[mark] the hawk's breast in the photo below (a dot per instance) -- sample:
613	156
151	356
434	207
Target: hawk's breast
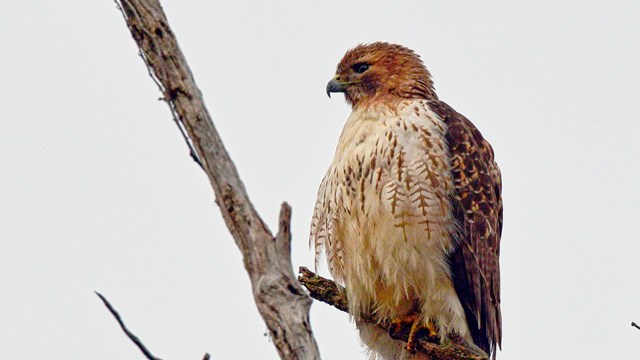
383	213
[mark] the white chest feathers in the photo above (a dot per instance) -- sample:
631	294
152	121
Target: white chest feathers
383	213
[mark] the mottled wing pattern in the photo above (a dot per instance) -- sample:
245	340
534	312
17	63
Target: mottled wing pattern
323	222
477	206
332	202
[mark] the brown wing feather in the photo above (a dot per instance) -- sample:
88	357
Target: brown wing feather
478	210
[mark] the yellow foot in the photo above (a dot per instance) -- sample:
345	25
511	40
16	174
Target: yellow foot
399	325
433	329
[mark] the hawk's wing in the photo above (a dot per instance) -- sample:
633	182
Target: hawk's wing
477	207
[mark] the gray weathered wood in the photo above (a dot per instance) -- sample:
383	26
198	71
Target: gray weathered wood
282	302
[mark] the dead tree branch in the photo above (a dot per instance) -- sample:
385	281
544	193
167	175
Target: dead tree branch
281	301
328	292
129	334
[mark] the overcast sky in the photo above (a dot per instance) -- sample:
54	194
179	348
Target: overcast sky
97	190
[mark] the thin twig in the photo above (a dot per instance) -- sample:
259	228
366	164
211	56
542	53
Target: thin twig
129	334
185	137
635	325
163	90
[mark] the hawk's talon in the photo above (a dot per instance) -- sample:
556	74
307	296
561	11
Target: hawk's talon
398	326
411	341
415	330
433	330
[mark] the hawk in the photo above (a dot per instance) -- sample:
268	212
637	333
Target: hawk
409	213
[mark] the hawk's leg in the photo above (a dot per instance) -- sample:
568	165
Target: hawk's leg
414	321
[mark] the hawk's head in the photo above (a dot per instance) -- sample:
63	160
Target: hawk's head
381	72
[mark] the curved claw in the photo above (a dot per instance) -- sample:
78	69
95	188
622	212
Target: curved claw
415	323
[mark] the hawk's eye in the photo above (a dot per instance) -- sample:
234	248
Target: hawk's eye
360	67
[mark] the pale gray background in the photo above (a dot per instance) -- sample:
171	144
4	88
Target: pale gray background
97	191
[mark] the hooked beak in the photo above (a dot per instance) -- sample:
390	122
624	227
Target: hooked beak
335	85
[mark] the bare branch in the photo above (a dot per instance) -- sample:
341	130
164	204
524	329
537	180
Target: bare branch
323	289
635	325
328	292
174	114
129	334
281	301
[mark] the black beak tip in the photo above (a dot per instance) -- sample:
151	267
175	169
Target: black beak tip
335	86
